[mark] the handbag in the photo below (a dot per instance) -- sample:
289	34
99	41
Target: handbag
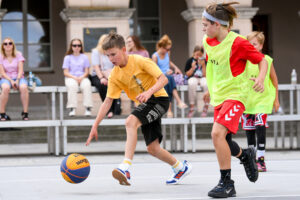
179	79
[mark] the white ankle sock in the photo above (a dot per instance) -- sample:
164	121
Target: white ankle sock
125	165
260	153
178	166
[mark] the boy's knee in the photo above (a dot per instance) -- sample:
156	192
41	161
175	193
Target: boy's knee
153	150
217	136
131	122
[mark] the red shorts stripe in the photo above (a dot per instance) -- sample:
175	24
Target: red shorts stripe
228	114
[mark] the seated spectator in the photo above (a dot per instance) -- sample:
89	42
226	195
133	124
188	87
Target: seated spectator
99	77
162	59
134	46
195	69
76	70
12	76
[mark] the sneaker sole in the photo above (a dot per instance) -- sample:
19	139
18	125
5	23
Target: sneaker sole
214	195
253	156
183	176
120	177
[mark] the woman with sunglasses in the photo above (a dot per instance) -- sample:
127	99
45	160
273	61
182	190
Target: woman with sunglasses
76	70
11	70
162	59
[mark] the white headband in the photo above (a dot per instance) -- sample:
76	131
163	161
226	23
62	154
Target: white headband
212	18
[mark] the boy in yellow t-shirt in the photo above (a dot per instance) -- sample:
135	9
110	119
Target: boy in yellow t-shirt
143	82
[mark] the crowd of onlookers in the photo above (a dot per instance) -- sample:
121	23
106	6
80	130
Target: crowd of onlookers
80	73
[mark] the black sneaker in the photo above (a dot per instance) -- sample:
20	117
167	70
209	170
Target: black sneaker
250	165
223	190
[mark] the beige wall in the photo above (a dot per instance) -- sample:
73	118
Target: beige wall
284	35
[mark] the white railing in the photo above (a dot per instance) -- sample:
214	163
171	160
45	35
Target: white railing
58	144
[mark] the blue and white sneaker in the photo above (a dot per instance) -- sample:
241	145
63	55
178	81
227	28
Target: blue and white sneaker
178	176
121	176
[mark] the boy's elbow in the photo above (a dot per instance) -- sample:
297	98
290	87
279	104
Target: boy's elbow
165	80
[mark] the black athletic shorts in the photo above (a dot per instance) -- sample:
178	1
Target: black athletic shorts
150	114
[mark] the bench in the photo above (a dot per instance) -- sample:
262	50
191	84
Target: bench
51	122
121	122
182	89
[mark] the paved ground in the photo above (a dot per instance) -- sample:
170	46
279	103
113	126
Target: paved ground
38	177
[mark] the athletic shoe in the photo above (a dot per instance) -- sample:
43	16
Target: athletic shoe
223	190
261	165
87	112
121	176
249	164
191	113
72	112
178	176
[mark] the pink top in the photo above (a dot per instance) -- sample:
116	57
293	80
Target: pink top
11	68
140	52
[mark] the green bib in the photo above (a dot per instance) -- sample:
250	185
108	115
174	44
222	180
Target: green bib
221	84
260	102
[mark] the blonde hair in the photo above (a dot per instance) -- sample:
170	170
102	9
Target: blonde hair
163	42
258	35
223	11
100	43
14	50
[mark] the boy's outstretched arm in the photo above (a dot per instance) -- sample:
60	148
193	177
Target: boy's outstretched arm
100	116
259	81
274	80
161	82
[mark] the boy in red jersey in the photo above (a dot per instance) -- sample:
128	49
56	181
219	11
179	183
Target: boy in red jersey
227	55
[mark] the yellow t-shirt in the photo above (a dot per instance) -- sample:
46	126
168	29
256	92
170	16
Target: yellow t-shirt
139	74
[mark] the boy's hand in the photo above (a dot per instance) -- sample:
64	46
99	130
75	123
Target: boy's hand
258	85
143	97
276	105
93	134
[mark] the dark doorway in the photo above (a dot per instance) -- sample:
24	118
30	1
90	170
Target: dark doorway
261	23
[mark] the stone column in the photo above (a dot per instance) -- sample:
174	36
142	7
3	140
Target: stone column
81	15
88	20
193	16
2	13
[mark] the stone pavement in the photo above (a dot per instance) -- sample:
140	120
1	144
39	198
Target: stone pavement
38	177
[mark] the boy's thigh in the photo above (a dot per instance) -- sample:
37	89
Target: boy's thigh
229	115
150	114
152	132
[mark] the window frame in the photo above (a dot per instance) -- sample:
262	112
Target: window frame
26	44
136	19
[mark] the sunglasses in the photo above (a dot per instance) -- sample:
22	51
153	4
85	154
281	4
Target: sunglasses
7	43
76	45
167	49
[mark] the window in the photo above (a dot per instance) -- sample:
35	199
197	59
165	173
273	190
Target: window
27	22
145	23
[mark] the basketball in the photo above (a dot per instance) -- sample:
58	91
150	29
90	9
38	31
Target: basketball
75	168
